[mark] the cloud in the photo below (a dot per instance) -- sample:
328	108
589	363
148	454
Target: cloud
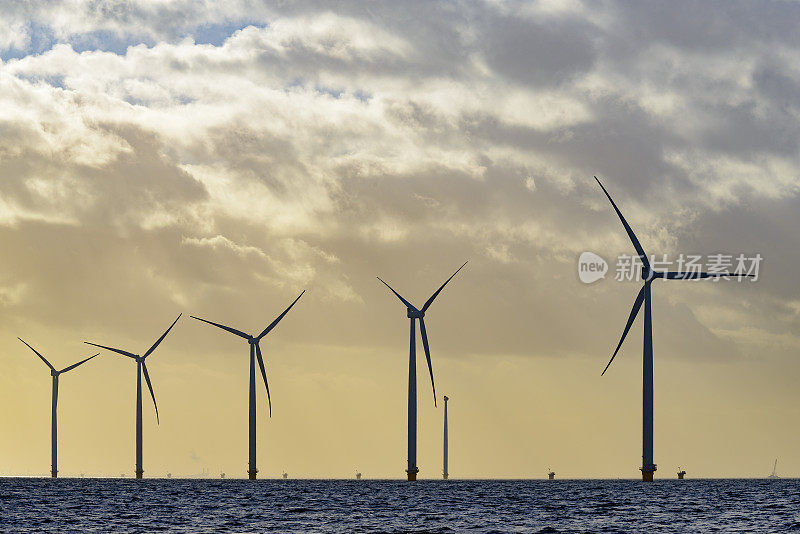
295	146
220	158
219	241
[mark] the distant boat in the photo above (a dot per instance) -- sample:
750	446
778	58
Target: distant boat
774	470
551	475
358	475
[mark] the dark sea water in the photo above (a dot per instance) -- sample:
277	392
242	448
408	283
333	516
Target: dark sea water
120	505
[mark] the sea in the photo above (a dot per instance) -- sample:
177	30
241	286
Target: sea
191	505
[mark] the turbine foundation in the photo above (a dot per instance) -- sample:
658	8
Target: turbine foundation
647	472
251	474
54	473
412	473
139	473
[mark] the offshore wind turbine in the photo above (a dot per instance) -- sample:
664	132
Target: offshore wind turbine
415	314
54	418
255	353
141	366
644	297
445	474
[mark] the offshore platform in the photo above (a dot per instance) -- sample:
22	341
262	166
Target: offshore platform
681	473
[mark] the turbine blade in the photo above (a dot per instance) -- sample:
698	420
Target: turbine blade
150	387
430	300
228	328
408	304
274	323
264	375
112	349
427	354
159	340
39	355
628	229
74	365
634	311
695	275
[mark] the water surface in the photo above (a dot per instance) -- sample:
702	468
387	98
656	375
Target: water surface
126	505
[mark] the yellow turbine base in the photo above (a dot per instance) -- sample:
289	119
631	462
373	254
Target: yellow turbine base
647	474
412	473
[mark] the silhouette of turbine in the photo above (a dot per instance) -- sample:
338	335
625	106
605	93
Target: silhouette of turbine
141	366
445	474
644	297
54	419
414	314
255	353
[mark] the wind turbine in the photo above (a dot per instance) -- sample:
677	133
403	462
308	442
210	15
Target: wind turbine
141	366
54	418
255	353
445	474
414	314
644	297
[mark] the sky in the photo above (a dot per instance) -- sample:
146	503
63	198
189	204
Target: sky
217	158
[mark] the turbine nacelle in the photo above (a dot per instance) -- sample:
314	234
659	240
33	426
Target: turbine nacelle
412	313
252	340
648	275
